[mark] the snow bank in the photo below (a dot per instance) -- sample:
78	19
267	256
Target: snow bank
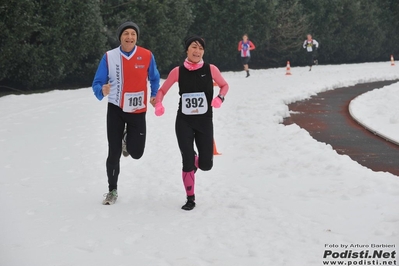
378	110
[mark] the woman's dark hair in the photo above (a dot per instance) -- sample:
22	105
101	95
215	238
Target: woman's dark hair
194	38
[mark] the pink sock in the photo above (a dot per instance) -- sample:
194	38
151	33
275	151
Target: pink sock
189	181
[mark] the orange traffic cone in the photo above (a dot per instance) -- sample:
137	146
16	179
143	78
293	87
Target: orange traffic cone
215	150
288	71
392	61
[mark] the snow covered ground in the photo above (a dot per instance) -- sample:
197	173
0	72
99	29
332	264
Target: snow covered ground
275	197
378	110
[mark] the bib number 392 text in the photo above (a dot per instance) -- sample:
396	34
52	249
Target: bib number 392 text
194	103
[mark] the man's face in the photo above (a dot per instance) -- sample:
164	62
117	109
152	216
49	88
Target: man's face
309	37
128	40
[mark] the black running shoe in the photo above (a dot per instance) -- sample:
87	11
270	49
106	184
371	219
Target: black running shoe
190	204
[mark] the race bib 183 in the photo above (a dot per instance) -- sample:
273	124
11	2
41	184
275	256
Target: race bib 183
133	101
194	103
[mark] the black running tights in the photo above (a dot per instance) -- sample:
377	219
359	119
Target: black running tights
135	139
200	130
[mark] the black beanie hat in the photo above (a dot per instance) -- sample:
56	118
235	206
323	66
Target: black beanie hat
191	39
127	25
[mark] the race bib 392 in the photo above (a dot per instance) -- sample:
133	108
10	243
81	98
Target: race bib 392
194	103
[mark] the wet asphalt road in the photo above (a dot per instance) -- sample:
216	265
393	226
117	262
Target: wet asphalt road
326	117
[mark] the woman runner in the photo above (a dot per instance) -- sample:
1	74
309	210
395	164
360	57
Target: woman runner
194	121
245	47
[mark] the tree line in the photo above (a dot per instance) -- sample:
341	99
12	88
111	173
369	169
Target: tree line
54	43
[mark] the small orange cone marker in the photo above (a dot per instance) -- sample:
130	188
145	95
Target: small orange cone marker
215	150
288	71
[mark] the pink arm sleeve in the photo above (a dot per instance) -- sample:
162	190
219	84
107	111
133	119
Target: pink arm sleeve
217	77
251	46
172	78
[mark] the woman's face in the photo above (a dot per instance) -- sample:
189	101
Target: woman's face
245	38
195	52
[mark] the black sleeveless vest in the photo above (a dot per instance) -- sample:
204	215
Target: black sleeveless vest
199	80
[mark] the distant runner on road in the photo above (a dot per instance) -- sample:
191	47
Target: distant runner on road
311	47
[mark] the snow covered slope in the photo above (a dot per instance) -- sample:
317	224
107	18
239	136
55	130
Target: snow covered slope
275	196
378	110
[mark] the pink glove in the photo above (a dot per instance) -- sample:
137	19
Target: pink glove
159	109
217	102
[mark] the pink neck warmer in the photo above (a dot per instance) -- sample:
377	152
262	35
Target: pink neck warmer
193	66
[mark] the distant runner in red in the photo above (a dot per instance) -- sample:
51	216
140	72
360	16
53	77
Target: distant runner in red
245	46
194	121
